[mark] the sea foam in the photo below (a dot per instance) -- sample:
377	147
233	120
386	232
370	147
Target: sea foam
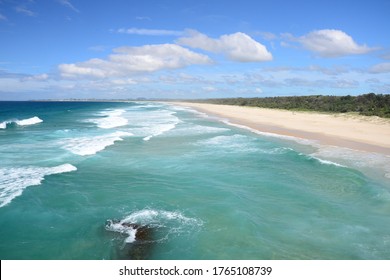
367	162
153	123
160	129
193	130
159	123
24	122
14	180
169	223
84	146
110	119
322	161
229	143
126	230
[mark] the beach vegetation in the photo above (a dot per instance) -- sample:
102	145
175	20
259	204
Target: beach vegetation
370	104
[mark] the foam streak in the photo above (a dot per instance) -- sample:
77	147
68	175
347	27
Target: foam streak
14	180
84	146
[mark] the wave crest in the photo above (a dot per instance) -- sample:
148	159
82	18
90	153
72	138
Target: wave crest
110	119
14	180
153	124
24	122
84	146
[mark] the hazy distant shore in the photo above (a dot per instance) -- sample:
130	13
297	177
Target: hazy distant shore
363	133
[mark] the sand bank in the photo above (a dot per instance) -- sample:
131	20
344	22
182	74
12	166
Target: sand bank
371	134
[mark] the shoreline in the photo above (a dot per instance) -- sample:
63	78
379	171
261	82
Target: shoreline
362	133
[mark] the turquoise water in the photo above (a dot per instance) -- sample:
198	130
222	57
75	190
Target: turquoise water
72	173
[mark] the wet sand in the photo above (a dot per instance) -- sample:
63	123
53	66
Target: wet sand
371	134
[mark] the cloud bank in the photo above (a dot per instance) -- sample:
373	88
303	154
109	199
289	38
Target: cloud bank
237	46
131	70
331	43
380	68
134	60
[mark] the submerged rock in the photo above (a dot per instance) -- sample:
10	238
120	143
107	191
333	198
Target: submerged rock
137	248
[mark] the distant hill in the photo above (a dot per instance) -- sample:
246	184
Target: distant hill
370	104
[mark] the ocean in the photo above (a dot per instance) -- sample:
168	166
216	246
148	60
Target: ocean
149	180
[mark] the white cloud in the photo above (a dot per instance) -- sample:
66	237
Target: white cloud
19	86
238	46
38	77
182	78
150	32
331	71
82	69
209	89
134	60
267	35
386	55
24	10
331	43
321	83
69	5
121	82
258	90
380	68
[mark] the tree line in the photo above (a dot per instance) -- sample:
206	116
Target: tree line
370	104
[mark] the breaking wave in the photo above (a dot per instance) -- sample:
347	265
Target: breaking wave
84	146
14	180
24	122
152	124
110	119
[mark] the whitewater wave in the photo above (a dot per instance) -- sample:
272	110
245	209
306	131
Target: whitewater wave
322	161
153	123
24	122
160	129
167	222
14	180
238	143
197	130
329	162
229	143
274	135
118	226
367	162
84	146
110	119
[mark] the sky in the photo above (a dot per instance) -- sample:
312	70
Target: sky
58	49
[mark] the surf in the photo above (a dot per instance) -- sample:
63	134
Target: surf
145	229
23	122
110	119
174	184
90	145
14	180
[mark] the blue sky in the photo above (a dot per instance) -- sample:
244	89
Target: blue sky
192	49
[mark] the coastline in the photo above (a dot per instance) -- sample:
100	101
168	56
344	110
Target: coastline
367	134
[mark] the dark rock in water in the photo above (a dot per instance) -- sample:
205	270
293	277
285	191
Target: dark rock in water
142	247
144	234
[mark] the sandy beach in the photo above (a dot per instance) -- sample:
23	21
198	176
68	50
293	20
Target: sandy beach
371	134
